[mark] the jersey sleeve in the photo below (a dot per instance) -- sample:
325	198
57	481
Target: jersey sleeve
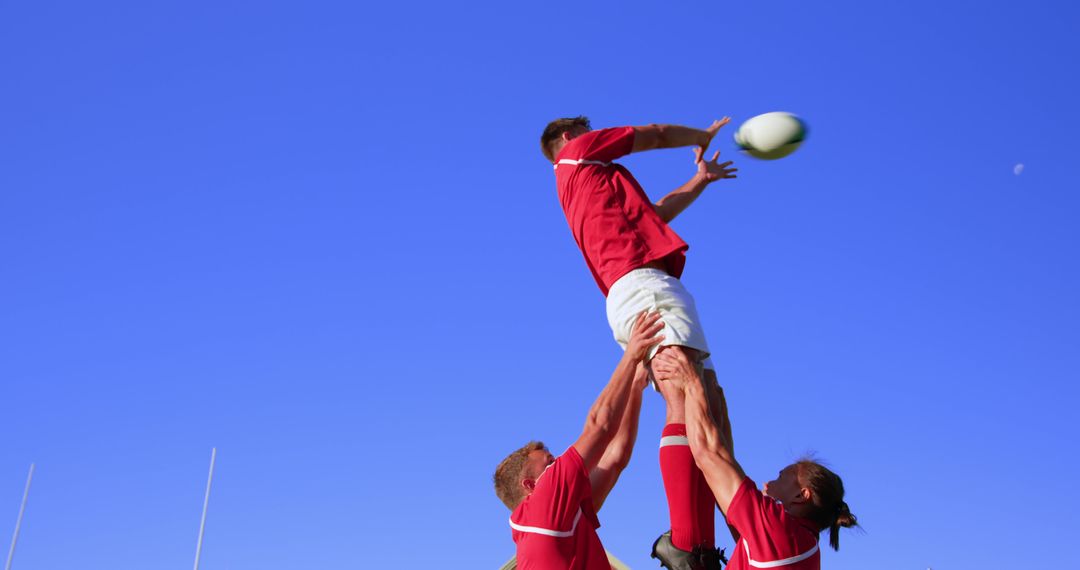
560	492
604	145
762	523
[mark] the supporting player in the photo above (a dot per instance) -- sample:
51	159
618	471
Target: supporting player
554	501
776	527
637	260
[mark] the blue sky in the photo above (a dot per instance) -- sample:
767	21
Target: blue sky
321	237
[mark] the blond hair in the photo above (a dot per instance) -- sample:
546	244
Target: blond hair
508	474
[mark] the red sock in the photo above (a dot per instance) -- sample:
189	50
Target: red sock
688	495
706	505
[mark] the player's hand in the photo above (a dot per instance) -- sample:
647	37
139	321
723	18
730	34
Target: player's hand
672	365
709	170
711	131
643	335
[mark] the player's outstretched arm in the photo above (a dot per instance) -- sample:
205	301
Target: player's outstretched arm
651	137
617	455
606	413
718	408
711	453
708	171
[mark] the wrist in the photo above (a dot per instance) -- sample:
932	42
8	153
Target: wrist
691	383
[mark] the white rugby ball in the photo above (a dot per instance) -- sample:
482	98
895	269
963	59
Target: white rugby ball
771	136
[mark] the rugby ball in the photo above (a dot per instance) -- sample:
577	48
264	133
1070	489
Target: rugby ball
771	136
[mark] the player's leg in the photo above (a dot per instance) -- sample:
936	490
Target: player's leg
675	547
690	501
690	545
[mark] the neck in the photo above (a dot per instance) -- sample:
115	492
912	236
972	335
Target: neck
799	510
555	150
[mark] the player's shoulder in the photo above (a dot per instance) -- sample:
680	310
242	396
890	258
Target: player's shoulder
570	463
571	456
585	142
568	470
608	134
750	503
750	507
746	493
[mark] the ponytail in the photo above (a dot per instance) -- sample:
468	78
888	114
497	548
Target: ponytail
827	490
845	519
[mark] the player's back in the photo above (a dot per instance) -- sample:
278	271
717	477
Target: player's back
613	221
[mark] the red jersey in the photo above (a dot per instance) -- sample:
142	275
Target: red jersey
769	536
613	221
555	526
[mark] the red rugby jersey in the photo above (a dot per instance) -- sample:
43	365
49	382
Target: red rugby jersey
555	526
614	223
769	536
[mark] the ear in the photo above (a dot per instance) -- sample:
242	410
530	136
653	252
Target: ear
567	136
804	496
529	484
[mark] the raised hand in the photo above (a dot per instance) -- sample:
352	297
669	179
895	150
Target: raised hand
672	365
643	335
709	170
711	131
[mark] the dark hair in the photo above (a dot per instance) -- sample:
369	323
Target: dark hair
508	474
827	490
556	128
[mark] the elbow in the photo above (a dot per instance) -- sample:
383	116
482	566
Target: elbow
650	137
620	457
601	423
665	214
661	136
707	448
709	461
714	458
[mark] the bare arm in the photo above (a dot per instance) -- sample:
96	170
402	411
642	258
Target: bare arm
606	413
651	137
718	408
617	455
711	452
708	171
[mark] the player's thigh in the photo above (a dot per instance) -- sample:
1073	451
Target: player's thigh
652	290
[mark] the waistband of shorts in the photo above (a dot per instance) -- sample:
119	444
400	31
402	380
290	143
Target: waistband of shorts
639	272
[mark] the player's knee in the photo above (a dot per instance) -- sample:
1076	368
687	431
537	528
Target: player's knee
672	394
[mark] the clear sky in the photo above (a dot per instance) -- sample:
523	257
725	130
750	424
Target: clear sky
321	237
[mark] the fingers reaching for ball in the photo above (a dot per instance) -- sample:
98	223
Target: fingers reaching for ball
713	170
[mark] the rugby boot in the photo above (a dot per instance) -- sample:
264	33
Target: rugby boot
673	558
711	558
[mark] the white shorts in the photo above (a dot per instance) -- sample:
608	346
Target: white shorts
655	290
